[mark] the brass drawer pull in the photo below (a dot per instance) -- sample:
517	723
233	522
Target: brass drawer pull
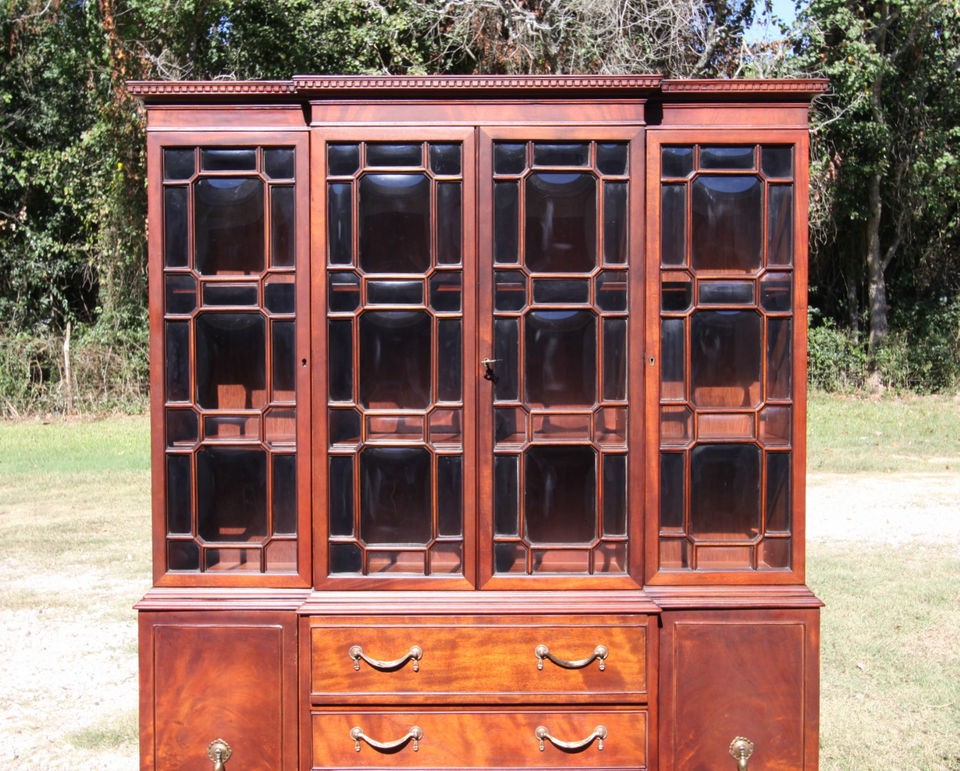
415	734
741	749
599	654
599	733
414	654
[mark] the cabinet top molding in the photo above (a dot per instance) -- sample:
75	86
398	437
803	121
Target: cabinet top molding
328	86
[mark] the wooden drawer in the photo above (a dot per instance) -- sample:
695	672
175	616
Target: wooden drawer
477	738
477	660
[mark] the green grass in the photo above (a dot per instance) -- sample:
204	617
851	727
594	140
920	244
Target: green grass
75	551
114	732
890	660
849	435
56	448
75	494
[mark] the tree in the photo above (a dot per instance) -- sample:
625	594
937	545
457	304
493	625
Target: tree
676	38
888	138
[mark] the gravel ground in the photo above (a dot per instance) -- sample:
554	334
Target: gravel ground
61	678
889	508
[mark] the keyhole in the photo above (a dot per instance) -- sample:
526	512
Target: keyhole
489	373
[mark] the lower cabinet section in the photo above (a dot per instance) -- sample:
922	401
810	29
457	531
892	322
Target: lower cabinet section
480	738
729	674
211	675
291	690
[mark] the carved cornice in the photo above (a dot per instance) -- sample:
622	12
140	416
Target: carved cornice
319	86
311	83
174	88
745	87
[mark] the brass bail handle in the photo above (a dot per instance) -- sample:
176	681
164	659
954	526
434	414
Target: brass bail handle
741	749
219	753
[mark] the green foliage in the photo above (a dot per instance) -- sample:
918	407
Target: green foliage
923	354
836	358
72	187
886	155
920	355
678	38
109	370
279	39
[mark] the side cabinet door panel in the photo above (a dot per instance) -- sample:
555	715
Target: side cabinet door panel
739	674
225	676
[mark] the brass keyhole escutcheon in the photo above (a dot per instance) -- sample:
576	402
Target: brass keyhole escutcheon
741	749
219	753
489	373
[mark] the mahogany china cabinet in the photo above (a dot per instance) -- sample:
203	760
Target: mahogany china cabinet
478	425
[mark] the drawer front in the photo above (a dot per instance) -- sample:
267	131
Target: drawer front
487	661
475	738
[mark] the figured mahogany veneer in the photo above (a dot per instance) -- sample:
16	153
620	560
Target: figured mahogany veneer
474	738
478	424
477	660
196	674
757	669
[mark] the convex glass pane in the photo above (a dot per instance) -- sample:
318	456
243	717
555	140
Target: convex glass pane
676	161
560	357
725	369
228	159
395	359
727	157
231	360
395	223
725	491
395	495
560	494
394	154
727	222
278	162
561	154
231	494
229	214
179	163
561	222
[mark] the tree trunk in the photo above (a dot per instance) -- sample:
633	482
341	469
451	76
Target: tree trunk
876	283
67	373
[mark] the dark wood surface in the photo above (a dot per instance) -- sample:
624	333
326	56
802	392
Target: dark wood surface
479	660
475	738
210	675
748	673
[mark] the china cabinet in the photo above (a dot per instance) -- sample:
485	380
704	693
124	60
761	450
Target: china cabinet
478	424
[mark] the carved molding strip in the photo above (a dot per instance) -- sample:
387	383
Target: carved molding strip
745	86
312	84
476	82
211	87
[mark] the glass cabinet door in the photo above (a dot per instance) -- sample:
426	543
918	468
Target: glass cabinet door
556	294
398	295
233	241
476	415
727	349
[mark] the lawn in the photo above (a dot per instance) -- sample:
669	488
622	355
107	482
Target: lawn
74	557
